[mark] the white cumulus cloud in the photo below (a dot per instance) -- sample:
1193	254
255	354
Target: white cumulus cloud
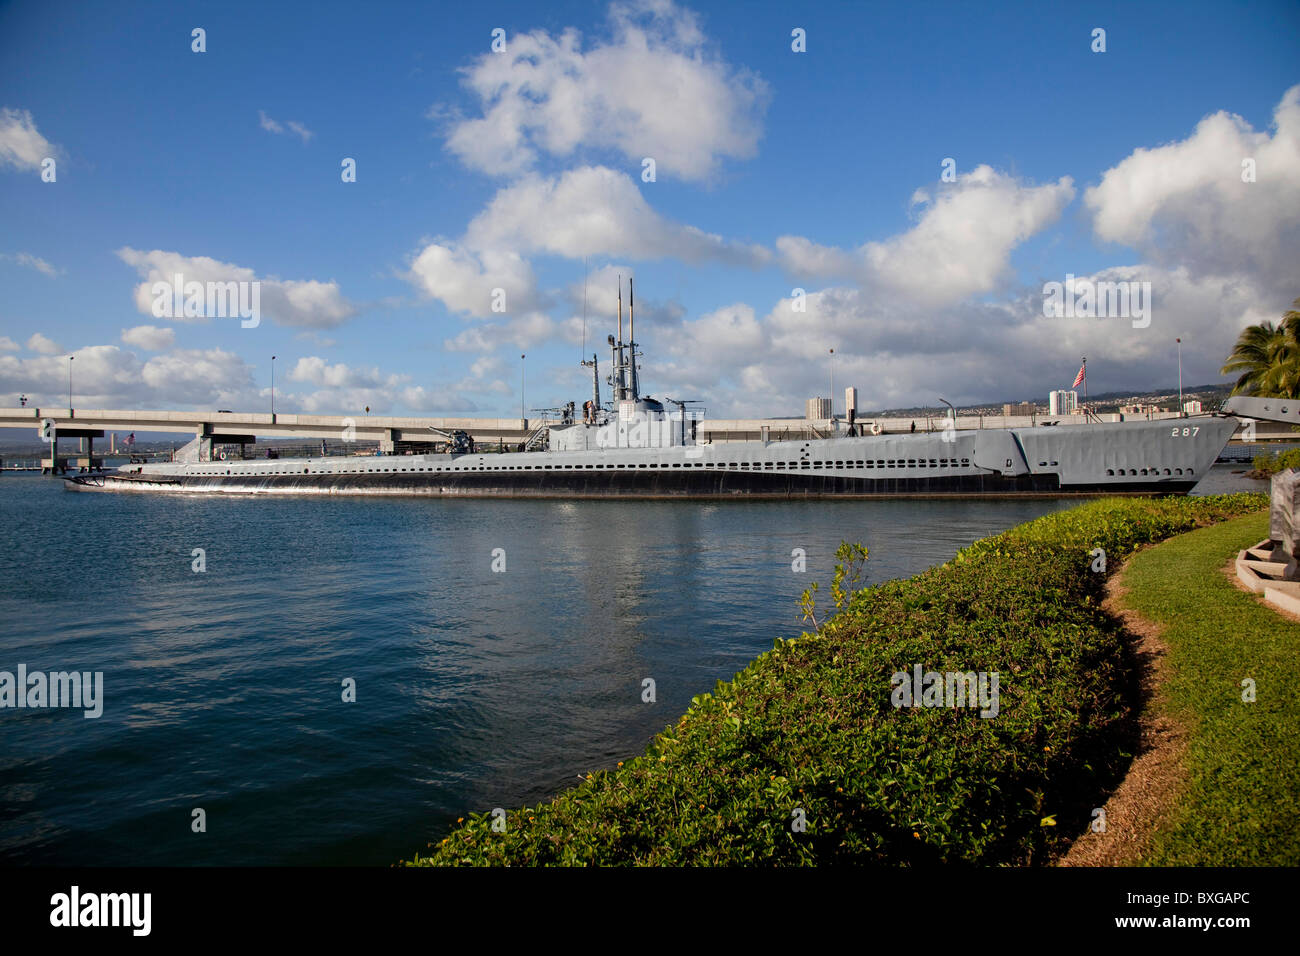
652	88
305	303
1187	203
106	376
149	337
960	247
589	211
45	346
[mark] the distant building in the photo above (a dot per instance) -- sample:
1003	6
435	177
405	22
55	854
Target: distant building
1062	402
1139	409
850	401
1020	408
1192	407
818	408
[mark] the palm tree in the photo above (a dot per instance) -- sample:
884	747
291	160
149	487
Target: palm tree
1267	356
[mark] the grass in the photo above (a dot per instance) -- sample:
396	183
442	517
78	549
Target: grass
1243	759
808	733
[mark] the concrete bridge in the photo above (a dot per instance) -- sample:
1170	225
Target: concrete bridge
392	434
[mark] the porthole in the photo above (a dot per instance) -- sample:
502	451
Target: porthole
1166	471
1178	471
1110	472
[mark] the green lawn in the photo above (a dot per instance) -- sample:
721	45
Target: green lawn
1243	759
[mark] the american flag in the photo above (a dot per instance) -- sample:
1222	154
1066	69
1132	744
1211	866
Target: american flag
1078	379
130	439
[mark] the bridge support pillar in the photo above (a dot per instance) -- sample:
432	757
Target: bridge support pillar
52	465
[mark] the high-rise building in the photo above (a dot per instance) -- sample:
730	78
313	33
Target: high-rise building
1019	408
1062	402
850	400
1192	407
818	408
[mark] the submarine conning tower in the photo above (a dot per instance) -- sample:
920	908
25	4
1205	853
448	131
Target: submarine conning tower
636	421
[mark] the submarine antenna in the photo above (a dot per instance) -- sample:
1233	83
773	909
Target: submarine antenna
620	370
631	334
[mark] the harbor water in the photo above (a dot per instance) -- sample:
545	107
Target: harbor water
497	649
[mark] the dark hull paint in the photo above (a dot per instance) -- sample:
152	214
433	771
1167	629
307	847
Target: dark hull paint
633	484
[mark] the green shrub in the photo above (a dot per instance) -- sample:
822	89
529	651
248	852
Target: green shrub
1271	464
809	726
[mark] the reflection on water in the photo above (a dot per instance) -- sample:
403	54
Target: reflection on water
475	689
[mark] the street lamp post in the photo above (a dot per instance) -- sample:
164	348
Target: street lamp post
522	366
1179	340
272	389
70	358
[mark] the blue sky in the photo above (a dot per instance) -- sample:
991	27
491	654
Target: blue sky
775	170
